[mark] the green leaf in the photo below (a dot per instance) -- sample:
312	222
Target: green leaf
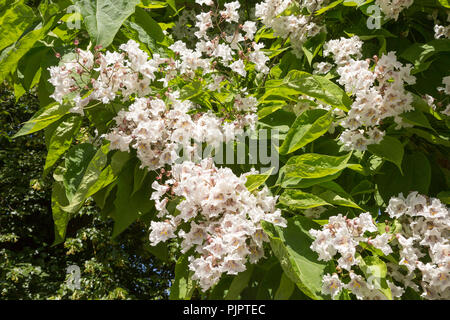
219	291
254	181
142	18
139	178
421	105
309	126
395	228
14	21
102	195
313	45
271	108
134	31
333	186
375	271
152	4
317	87
77	161
416	118
19	90
296	182
363	187
301	200
61	140
267	286
291	245
60	217
103	18
30	66
160	251
10	56
285	289
389	149
43	118
183	286
47	9
444	196
87	174
191	90
390	182
444	3
172	4
418	167
417	176
239	283
330	6
312	165
130	206
280	120
334	198
118	161
418	53
435	139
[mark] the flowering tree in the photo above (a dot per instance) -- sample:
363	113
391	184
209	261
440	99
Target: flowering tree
170	111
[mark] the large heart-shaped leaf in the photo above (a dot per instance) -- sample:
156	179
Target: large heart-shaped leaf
103	18
291	246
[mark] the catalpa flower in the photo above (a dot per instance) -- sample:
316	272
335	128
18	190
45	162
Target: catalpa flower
217	216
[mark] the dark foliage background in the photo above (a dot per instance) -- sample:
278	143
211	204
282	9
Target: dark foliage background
30	267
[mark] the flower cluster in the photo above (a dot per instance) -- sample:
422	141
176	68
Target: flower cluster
392	8
221	38
84	76
217	216
343	236
379	91
103	76
421	242
297	27
159	130
153	126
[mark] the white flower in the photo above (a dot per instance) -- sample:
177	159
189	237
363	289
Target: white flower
259	58
347	260
207	2
322	67
397	206
365	222
249	27
331	285
315	212
382	242
358	286
231	14
323	244
233	264
343	49
238	67
224	52
161	231
204	22
392	8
